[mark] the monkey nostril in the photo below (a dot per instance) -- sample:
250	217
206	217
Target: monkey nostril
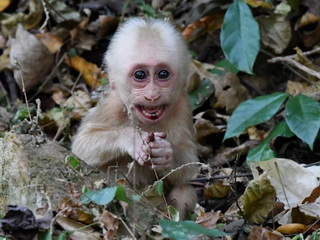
152	99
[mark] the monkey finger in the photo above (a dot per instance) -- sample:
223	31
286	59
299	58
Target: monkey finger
163	160
160	143
160	134
161	152
146	149
140	161
150	137
160	163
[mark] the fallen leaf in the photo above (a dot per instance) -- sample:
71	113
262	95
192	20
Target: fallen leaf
61	12
78	103
79	231
308	27
4	4
258	199
293	228
216	190
295	88
275	32
205	24
227	155
229	92
209	219
261	233
51	41
89	71
293	182
29	53
29	20
110	222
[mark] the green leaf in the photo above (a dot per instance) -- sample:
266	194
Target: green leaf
44	235
303	118
260	153
62	236
201	94
240	36
73	161
263	151
224	63
252	112
104	196
146	8
174	213
159	187
186	230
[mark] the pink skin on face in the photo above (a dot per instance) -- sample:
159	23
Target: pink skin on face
151	82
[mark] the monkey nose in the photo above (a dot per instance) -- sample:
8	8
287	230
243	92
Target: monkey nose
152	99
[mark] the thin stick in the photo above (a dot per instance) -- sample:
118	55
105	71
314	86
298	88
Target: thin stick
16	63
290	59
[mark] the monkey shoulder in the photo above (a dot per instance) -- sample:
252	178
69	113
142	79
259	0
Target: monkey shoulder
108	112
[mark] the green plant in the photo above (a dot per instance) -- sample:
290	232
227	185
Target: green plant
301	118
240	36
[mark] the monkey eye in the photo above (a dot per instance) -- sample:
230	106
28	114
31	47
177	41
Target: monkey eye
140	75
163	74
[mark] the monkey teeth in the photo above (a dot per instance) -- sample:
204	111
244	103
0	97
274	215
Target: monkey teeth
151	114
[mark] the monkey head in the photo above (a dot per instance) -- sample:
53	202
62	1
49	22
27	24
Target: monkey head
147	63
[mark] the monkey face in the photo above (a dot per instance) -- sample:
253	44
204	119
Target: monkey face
151	91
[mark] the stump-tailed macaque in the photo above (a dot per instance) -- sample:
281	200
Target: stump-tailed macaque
145	116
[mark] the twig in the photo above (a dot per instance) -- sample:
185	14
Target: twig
290	59
16	63
48	78
172	171
289	67
46	11
296	64
203	179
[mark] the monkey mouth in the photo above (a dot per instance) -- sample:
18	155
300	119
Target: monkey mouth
151	114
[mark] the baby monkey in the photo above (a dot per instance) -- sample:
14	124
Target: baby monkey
145	116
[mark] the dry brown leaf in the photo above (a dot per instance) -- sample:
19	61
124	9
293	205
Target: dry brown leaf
259	233
295	88
52	42
255	134
29	20
110	222
275	32
4	4
308	27
207	23
79	102
216	190
80	231
209	219
313	196
258	200
260	3
73	211
89	71
229	92
229	154
33	57
293	228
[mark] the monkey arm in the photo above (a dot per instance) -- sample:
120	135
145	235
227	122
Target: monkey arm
98	145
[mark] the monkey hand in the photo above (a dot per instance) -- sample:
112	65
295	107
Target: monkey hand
161	151
141	151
